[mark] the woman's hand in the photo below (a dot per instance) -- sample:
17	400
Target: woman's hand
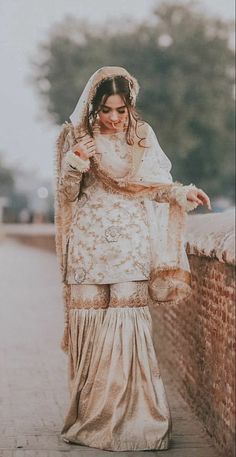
199	196
85	148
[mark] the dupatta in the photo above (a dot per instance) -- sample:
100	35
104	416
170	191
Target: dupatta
170	278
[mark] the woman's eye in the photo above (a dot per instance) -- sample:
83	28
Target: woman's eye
106	111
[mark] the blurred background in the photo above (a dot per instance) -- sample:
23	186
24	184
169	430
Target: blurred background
182	54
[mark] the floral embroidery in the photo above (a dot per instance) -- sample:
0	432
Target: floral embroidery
113	233
109	238
80	275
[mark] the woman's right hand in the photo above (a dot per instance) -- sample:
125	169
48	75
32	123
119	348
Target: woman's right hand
85	148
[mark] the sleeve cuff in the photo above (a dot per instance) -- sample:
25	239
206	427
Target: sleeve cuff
180	196
76	162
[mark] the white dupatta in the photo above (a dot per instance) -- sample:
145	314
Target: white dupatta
165	201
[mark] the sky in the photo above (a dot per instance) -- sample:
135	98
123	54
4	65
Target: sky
27	140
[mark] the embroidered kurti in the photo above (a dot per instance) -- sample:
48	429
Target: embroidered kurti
109	240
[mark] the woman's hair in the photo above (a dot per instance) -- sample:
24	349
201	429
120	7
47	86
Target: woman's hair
117	85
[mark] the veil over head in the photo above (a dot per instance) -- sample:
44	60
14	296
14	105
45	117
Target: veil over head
81	110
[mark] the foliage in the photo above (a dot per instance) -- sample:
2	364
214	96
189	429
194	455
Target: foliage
7	180
184	64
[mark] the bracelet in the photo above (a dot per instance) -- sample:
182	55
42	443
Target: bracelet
76	162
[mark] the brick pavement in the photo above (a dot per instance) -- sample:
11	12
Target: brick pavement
33	370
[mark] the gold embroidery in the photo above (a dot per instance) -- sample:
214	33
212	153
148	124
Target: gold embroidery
167	284
89	296
127	294
80	275
109	241
122	296
113	233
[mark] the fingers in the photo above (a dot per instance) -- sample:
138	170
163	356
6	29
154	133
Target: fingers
90	154
88	143
200	197
85	148
91	147
197	200
91	150
87	139
204	197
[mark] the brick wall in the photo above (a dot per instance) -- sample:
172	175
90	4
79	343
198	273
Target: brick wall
196	338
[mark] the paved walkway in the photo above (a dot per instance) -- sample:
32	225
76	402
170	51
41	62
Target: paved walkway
33	370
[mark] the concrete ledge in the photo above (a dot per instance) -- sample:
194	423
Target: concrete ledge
41	236
212	236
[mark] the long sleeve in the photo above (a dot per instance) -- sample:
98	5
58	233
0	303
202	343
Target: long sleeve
70	181
72	170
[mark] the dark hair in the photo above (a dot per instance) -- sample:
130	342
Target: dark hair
112	86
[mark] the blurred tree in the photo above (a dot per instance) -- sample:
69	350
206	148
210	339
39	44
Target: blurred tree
7	181
185	66
16	200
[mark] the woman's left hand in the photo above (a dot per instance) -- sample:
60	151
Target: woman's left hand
199	196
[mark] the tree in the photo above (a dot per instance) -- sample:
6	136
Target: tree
7	182
184	64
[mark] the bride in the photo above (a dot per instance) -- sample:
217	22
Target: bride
119	235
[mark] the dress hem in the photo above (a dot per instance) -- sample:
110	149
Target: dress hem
120	447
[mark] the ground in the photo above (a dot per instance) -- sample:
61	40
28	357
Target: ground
33	380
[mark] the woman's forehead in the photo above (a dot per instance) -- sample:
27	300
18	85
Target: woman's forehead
114	101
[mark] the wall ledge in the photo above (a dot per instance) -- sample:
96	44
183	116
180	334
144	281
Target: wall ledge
212	235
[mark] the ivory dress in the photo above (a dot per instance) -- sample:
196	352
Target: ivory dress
117	398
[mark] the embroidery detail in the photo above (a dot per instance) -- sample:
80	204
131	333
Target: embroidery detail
113	233
96	297
145	269
120	297
80	275
82	200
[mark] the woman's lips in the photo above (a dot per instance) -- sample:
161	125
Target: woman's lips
114	124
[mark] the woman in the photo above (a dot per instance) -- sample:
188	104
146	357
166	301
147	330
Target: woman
119	235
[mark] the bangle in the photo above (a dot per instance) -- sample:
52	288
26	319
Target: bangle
76	162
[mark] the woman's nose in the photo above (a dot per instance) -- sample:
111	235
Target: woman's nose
114	116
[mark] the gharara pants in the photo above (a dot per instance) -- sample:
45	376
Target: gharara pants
117	398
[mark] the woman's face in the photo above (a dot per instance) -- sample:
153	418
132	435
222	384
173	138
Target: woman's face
113	114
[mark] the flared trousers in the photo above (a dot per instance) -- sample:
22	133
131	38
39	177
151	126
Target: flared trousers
117	397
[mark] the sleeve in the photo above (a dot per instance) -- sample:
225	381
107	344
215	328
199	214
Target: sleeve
156	168
72	170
